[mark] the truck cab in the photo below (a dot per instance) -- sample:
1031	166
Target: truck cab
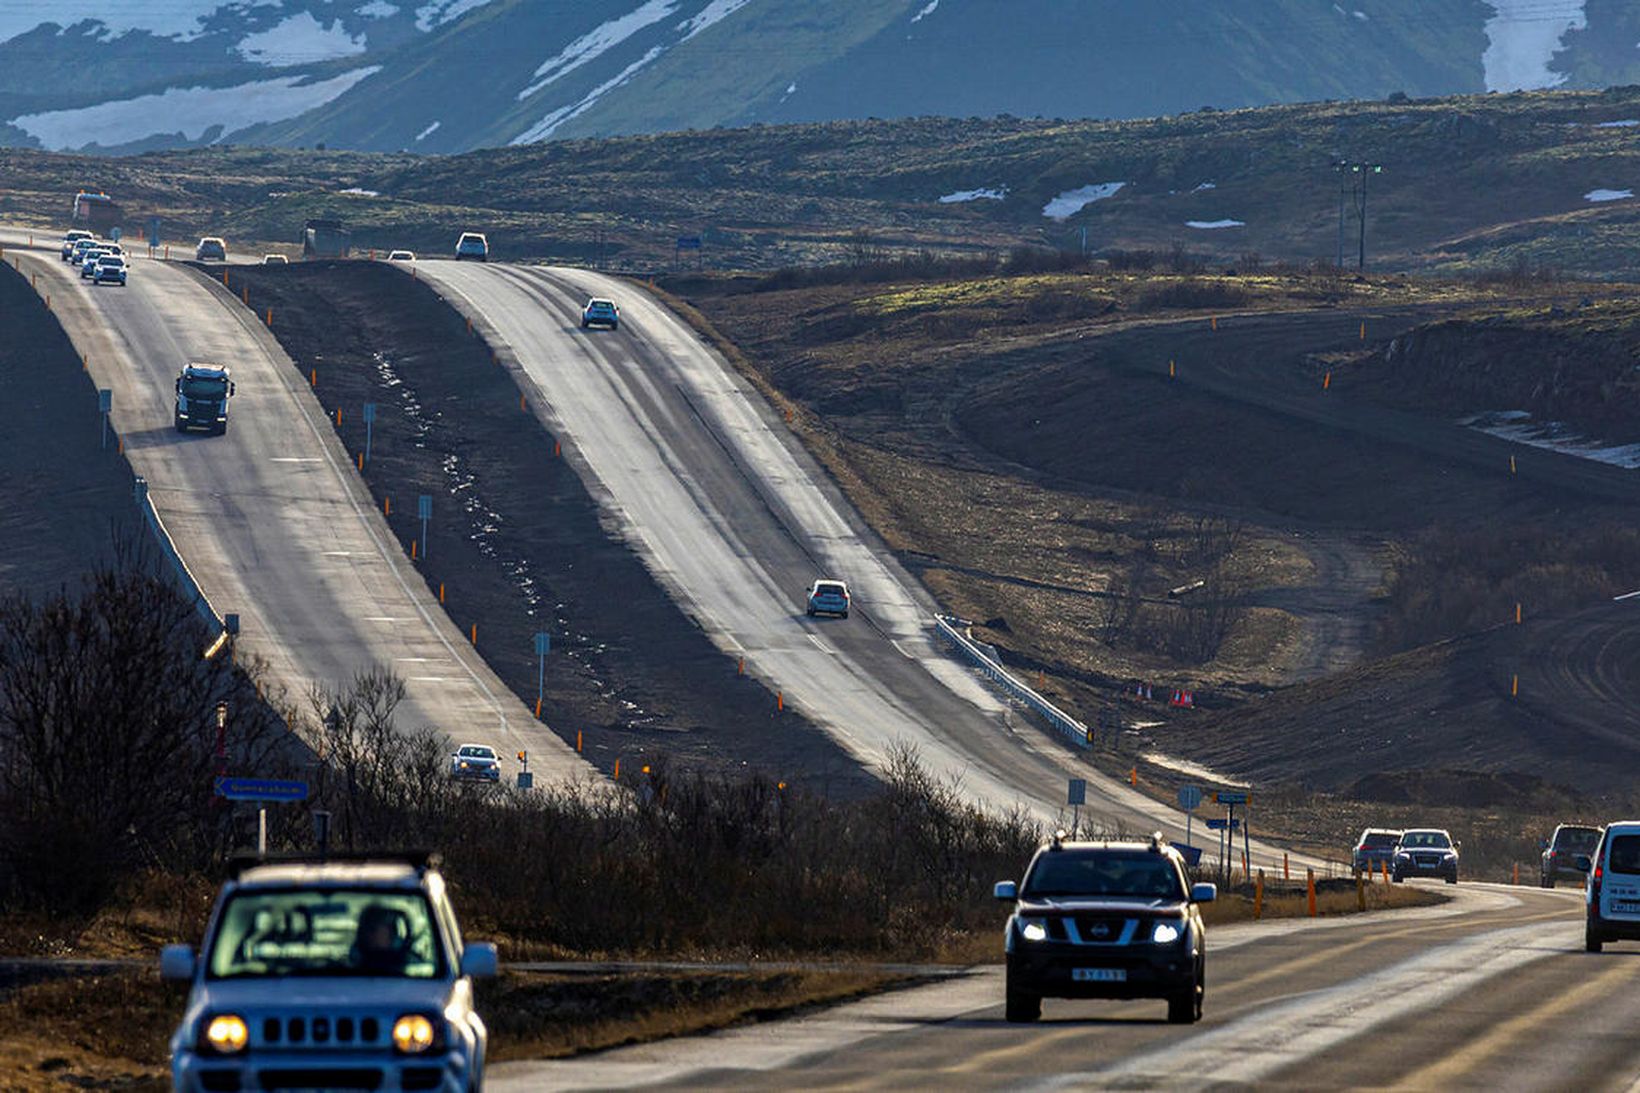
203	391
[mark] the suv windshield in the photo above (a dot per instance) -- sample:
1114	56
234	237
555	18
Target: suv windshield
1104	873
330	931
1426	840
476	752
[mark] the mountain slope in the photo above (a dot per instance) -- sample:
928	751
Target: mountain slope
453	75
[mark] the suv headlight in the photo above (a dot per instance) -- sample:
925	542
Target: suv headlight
1166	933
224	1034
1033	929
417	1034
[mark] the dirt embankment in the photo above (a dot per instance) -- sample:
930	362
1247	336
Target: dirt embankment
1576	365
67	498
516	541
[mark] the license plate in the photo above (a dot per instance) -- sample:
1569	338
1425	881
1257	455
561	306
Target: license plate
1099	975
1625	907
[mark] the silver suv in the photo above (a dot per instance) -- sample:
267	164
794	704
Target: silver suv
331	974
1611	895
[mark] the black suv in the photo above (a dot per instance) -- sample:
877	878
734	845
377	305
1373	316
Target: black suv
1106	920
1561	851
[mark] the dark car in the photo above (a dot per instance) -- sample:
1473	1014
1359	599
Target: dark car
1426	852
1561	853
1375	849
1106	920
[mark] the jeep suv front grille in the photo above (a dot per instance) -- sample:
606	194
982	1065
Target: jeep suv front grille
322	1030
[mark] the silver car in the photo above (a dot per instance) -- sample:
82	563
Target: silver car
475	762
331	975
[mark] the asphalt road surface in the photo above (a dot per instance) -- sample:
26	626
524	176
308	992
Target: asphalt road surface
1492	991
736	519
271	517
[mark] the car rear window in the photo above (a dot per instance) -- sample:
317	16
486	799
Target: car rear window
1380	839
1625	854
828	590
1580	841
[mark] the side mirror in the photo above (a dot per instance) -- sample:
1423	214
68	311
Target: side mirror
1204	893
1006	891
1583	863
179	385
176	962
232	389
478	960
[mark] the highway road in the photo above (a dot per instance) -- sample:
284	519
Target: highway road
1492	991
271	517
735	519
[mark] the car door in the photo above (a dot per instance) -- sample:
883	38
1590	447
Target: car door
1620	887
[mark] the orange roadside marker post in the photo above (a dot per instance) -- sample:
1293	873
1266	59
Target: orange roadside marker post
1311	886
1286	870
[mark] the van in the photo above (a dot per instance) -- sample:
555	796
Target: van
1611	895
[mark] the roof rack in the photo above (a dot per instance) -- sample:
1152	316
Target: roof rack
419	860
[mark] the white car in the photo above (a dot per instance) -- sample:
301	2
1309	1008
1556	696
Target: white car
111	269
331	974
473	245
401	256
476	762
71	238
1611	895
275	260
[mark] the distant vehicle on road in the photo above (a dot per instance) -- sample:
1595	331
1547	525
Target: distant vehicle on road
96	211
828	596
275	260
1375	849
599	312
110	270
211	249
77	254
70	238
472	245
402	256
203	391
1425	852
326	239
1611	896
1561	851
88	261
475	762
331	974
1106	920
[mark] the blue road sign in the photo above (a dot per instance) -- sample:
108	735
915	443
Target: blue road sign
105	399
543	643
369	412
1192	854
1077	792
689	242
153	231
1190	798
1219	824
424	506
1226	797
260	789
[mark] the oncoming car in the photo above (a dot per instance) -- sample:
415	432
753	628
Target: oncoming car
600	312
1425	852
275	260
478	762
331	975
88	261
828	596
472	245
211	249
1106	920
402	256
1611	895
71	238
110	270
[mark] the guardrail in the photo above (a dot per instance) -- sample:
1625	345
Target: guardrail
986	660
222	625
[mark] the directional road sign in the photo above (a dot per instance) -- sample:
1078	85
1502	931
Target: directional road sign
1220	823
1190	798
1077	792
1226	797
260	789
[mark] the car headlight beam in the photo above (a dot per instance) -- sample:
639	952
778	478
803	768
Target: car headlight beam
413	1033
226	1034
1166	933
1033	929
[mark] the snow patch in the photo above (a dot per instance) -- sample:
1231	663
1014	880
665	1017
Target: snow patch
189	111
300	39
928	9
1626	123
596	42
1185	766
429	131
715	12
1071	202
1214	225
440	12
1555	436
1522	37
378	9
1361	15
544	128
177	19
974	195
355	191
1607	195
1205	186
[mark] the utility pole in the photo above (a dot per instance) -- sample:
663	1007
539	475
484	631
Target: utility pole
1356	172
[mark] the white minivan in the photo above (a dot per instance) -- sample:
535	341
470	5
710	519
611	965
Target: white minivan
1612	892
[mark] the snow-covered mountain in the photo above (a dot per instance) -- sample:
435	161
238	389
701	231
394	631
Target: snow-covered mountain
449	75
